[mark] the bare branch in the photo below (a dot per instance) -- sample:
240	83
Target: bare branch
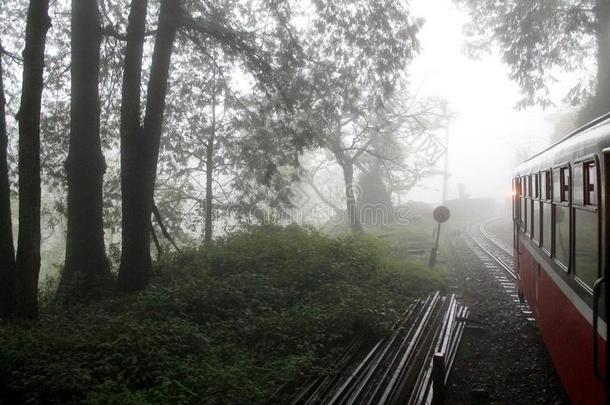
10	55
112	32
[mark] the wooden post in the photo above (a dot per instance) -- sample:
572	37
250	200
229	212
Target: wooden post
438	379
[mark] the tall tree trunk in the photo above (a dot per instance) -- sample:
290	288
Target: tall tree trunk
86	270
602	96
130	133
140	164
353	215
7	249
209	168
28	247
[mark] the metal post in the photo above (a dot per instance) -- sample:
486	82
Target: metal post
434	251
446	163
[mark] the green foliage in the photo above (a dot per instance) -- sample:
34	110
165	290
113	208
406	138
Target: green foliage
228	323
536	39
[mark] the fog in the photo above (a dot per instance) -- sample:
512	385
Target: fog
241	202
488	136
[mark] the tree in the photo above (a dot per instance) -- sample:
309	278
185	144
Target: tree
408	142
28	240
209	164
393	145
537	37
7	249
86	268
346	155
193	154
374	201
140	145
130	278
226	147
140	148
314	165
355	52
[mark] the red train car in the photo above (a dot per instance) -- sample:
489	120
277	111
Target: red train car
561	201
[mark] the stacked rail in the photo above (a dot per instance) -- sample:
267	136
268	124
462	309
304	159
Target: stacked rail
411	365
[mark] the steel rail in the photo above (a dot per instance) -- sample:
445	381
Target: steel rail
506	267
492	238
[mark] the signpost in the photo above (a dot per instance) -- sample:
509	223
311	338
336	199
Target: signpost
441	214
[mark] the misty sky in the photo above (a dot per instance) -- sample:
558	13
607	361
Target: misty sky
488	130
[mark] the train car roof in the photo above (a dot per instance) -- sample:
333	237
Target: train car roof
584	142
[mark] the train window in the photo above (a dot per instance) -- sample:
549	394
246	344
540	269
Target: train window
528	186
565	184
578	196
522	214
526	216
532	208
562	235
536	186
523	204
515	197
590	171
547	227
547	184
586	254
515	201
536	206
556	185
519	187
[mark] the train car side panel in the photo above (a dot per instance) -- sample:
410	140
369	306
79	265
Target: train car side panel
565	330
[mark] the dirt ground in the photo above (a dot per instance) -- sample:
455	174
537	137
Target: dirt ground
501	359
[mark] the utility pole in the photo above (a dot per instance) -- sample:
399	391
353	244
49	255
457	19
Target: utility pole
446	163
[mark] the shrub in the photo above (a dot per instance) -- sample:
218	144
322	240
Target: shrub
228	323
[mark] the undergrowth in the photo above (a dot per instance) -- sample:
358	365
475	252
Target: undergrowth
228	323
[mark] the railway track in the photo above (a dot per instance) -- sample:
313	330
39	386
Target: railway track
491	246
496	257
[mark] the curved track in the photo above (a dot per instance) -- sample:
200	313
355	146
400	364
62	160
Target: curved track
495	249
491	238
496	257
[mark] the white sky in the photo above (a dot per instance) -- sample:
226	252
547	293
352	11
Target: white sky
488	130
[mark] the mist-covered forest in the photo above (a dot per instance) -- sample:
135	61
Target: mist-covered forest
202	201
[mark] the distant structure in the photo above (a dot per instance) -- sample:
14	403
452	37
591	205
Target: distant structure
465	207
462	191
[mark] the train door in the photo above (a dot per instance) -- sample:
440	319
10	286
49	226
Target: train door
517	216
601	295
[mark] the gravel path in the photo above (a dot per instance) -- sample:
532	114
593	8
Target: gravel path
501	359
